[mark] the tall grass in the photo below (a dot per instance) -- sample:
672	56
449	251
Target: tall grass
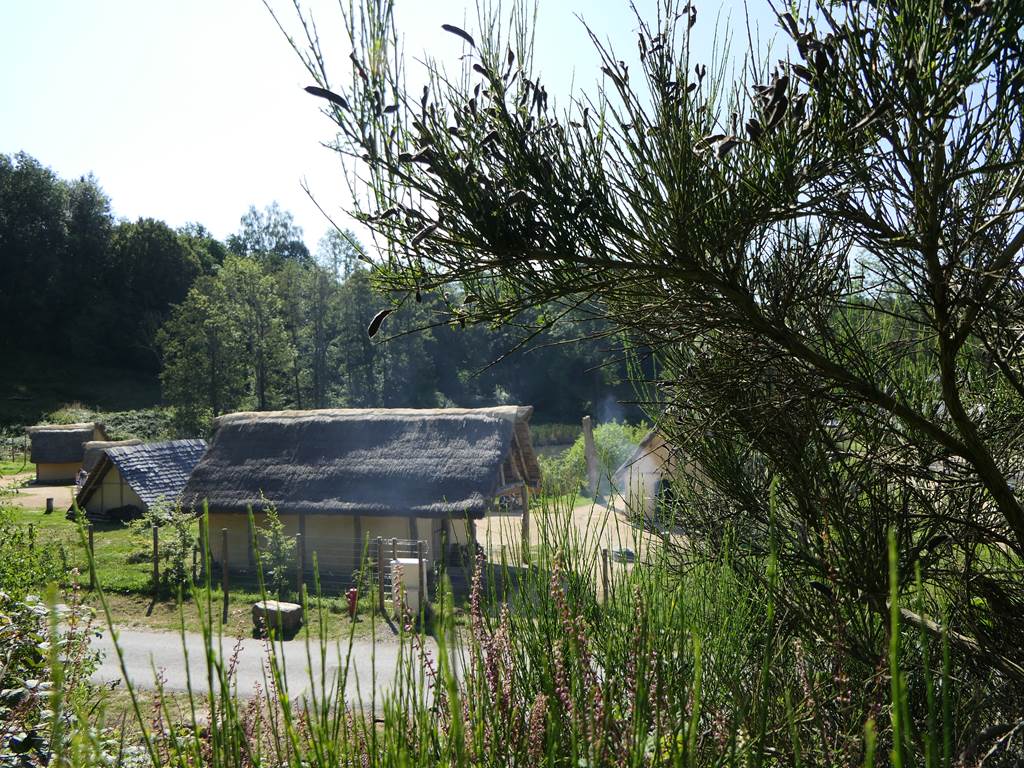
670	668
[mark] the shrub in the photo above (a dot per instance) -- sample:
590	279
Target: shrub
614	442
178	537
276	550
26	562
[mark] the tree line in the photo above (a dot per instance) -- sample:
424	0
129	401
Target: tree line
258	321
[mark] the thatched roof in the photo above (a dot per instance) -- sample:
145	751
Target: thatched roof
389	462
153	470
63	443
94	451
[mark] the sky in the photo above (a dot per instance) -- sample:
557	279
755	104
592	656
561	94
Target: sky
193	110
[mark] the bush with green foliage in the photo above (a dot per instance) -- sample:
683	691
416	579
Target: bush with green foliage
614	443
276	552
178	533
26	561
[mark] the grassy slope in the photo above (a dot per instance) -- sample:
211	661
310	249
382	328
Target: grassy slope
36	384
127	584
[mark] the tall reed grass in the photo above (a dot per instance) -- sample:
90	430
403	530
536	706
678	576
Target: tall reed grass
670	668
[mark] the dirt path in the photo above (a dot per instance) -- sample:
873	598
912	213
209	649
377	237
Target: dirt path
28	495
588	526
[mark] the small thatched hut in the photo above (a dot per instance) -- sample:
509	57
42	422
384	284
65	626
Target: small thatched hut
340	476
94	451
645	479
128	479
58	449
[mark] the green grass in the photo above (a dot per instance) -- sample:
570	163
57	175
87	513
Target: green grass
124	568
15	466
690	668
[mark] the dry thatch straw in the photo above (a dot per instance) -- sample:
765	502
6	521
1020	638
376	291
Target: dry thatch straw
63	443
385	462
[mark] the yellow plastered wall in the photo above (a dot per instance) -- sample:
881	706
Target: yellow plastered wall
336	539
58	473
113	493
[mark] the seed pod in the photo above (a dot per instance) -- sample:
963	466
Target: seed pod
725	146
377	322
460	32
323	93
423	233
754	129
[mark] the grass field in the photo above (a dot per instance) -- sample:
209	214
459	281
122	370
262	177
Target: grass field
15	466
124	569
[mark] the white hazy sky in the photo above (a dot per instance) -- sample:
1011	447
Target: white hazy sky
192	110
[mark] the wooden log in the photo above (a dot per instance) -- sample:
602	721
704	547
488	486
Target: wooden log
224	569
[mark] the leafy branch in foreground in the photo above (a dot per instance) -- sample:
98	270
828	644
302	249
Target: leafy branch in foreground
824	256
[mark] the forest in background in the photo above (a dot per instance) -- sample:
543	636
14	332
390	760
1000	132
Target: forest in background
253	322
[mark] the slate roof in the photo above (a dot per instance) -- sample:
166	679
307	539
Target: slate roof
152	470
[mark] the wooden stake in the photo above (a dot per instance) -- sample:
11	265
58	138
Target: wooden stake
524	499
92	559
422	574
156	561
224	569
49	505
380	573
202	546
300	550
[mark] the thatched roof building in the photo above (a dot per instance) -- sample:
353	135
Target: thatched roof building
58	449
435	463
340	476
128	479
645	479
94	451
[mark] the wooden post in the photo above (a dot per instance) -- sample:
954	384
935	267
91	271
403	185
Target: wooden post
380	573
224	569
524	499
590	454
394	549
300	551
604	573
92	559
49	505
422	576
156	561
302	533
249	538
202	546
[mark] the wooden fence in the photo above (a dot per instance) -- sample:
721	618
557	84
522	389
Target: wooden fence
365	565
